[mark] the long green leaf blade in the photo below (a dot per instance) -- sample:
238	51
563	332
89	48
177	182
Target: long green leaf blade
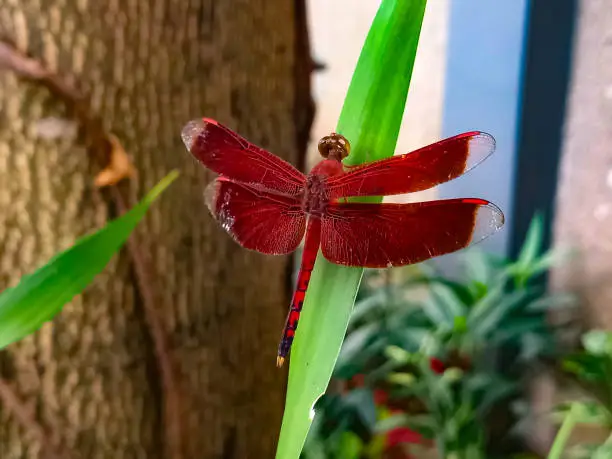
374	105
41	295
533	241
370	120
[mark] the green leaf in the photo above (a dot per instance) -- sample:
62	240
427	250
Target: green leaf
356	343
391	422
492	318
519	326
478	266
402	379
552	301
362	402
532	346
497	391
563	434
485	304
398	355
548	260
422	423
370	120
411	338
587	412
349	446
368	306
459	290
443	307
450	303
605	450
314	449
533	242
587	367
374	105
440	392
41	295
598	342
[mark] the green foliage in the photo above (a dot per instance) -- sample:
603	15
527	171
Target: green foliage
41	295
530	262
370	119
445	352
354	414
495	308
591	369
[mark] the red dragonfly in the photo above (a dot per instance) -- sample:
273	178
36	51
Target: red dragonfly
267	205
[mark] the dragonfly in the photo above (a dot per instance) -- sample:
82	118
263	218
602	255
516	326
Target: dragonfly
267	205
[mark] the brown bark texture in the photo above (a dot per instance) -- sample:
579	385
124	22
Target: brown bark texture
583	220
91	378
584	200
583	211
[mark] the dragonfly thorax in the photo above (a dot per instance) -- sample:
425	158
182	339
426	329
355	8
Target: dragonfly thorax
316	196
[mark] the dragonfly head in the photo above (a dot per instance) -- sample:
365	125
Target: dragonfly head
334	146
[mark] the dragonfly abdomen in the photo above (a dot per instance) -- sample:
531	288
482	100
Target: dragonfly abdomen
309	255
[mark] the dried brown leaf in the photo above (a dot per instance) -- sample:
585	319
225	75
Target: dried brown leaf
119	166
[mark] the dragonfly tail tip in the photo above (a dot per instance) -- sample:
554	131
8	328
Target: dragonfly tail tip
279	361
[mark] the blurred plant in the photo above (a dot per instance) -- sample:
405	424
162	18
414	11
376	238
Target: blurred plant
439	365
591	369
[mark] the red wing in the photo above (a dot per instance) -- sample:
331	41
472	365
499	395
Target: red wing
416	171
257	220
385	235
226	153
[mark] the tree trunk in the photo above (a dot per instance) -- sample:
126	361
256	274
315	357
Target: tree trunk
584	202
583	219
92	377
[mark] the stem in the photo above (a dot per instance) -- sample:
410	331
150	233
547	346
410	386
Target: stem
564	433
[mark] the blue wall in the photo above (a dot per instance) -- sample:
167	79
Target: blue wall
483	92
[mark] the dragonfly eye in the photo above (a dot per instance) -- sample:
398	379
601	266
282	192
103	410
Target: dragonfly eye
334	146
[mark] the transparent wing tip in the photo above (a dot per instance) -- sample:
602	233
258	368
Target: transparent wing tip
480	146
211	194
191	131
484	138
489	220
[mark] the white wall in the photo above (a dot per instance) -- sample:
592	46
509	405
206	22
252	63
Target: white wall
337	31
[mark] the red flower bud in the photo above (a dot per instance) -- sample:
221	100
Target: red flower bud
380	397
436	365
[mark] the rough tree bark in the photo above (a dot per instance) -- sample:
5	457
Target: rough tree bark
583	219
584	202
92	377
